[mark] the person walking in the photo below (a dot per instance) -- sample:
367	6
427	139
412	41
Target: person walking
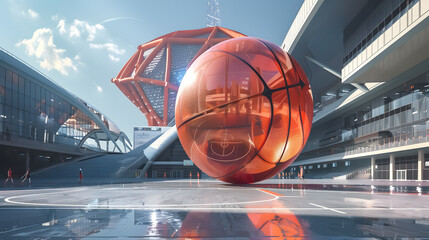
26	176
80	175
9	176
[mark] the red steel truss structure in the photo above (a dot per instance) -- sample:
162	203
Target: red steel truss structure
151	78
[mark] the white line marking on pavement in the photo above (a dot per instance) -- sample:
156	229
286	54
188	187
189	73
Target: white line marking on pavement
216	209
276	197
13	200
331	209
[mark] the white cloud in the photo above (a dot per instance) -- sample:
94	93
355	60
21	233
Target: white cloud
42	46
82	27
110	47
74	31
31	13
113	58
78	28
62	26
99	89
77	57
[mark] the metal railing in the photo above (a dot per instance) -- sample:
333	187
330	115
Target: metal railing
392	142
357	172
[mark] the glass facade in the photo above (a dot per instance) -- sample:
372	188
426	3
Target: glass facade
29	110
371	87
396	118
381	169
399	117
40	111
41	124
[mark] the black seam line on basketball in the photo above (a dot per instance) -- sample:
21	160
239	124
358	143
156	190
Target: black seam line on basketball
265	140
299	106
263	159
235	101
290	86
288	98
272	114
218	107
267	93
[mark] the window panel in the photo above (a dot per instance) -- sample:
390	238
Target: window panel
37	92
21	84
32	90
42	93
8	78
15	98
2	76
27	87
15	81
8	96
21	102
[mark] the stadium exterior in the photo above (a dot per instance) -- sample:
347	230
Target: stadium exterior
368	63
152	76
42	124
151	79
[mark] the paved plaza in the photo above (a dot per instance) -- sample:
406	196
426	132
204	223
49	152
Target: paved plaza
209	209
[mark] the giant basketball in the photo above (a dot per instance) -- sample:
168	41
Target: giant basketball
244	110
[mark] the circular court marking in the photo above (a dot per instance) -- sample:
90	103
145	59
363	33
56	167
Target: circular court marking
213	205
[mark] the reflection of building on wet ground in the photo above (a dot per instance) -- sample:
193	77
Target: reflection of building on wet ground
42	124
367	62
273	209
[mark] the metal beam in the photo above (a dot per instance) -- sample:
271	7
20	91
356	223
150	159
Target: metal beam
323	66
359	86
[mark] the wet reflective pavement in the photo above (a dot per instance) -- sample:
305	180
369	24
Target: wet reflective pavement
214	210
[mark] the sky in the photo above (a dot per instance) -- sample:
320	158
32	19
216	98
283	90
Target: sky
82	44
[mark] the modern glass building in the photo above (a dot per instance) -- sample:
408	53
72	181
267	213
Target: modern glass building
368	65
42	124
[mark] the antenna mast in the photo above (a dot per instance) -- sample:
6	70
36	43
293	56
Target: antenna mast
213	18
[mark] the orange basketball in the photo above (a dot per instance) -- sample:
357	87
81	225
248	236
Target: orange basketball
244	110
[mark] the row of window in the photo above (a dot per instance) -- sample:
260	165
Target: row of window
324	165
31	111
406	168
402	110
386	23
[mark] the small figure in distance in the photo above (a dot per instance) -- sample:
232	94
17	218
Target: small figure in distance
9	176
80	175
26	176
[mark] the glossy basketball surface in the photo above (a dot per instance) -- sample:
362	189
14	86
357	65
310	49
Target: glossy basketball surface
244	110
